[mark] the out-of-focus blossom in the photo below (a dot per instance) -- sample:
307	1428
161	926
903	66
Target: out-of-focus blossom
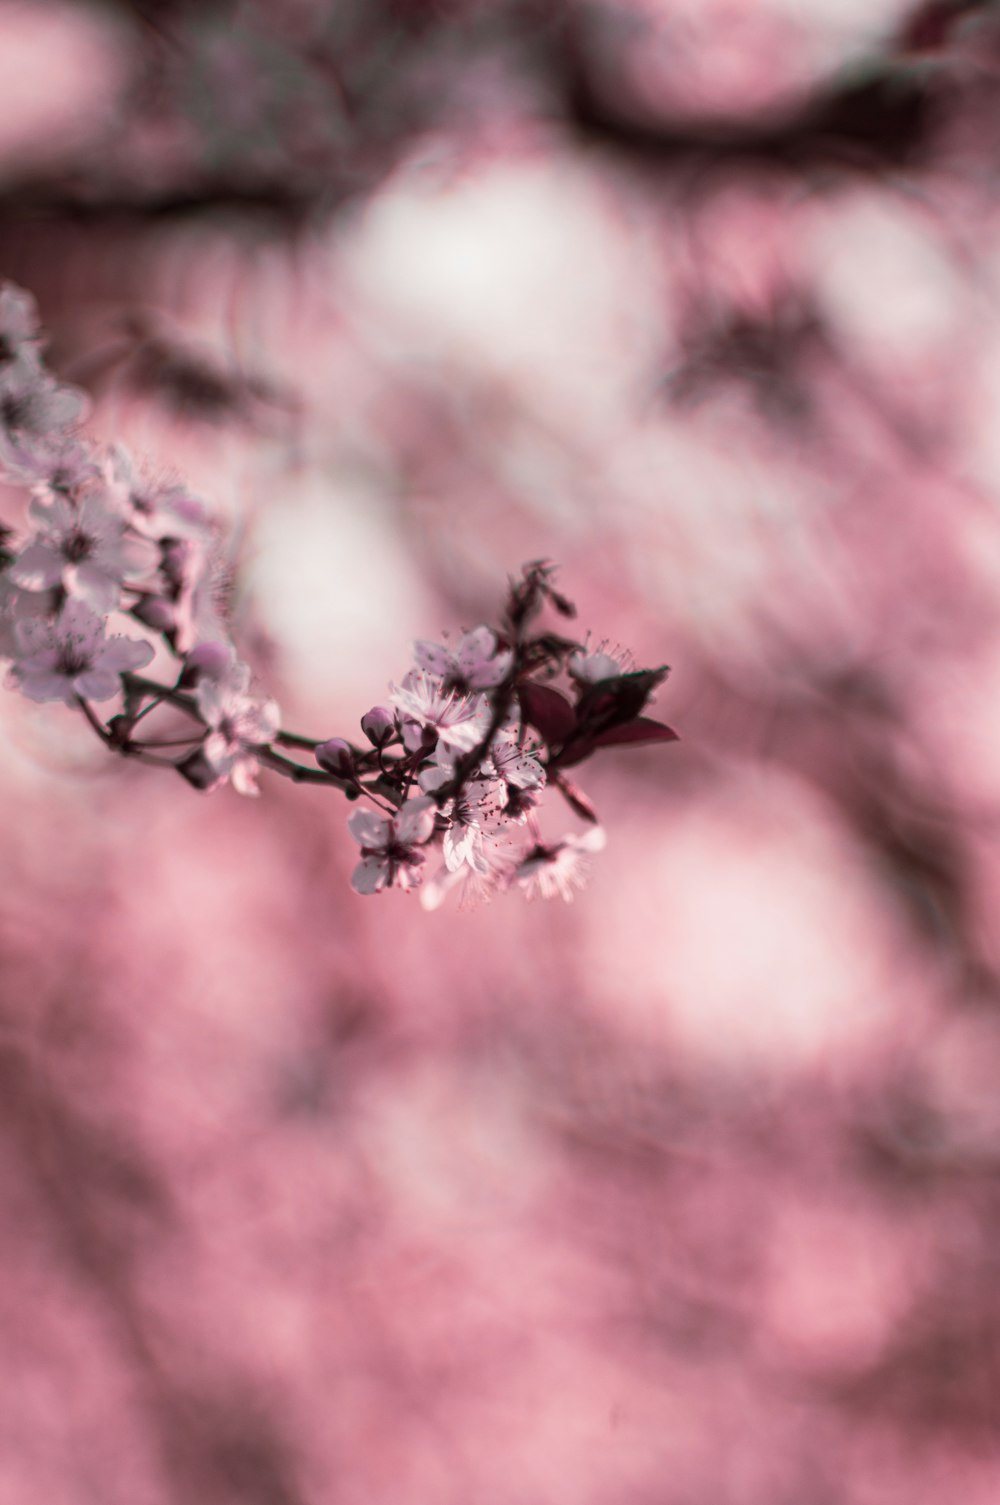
186	606
475	663
558	868
70	657
33	405
240	725
19	330
59	466
158	509
496	863
17	606
591	668
83	547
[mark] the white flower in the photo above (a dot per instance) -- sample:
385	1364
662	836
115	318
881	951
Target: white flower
389	855
440	769
559	868
32	405
518	766
83	547
157	509
58	466
470	814
591	668
239	723
70	657
17	605
18	323
496	866
460	721
475	663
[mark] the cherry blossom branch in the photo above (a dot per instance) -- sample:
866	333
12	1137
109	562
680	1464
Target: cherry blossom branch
457	759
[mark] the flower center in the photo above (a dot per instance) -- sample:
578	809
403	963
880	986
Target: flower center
77	546
397	856
73	659
15	409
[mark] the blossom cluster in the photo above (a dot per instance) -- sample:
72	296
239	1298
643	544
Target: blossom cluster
459	757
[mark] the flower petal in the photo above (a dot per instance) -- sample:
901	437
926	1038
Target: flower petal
43	685
370	875
370	829
37	567
415	822
123	654
433	657
97	684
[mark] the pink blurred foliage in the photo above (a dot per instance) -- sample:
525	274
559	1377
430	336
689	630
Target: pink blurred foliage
688	1192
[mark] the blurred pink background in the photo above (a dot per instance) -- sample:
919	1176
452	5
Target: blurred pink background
687	1194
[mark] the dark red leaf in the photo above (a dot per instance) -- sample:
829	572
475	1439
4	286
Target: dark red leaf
617	700
547	711
636	732
642	729
575	753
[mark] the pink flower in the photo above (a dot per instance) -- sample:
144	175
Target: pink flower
157	509
516	765
188	607
57	466
69	657
19	331
474	885
32	405
473	664
559	868
83	547
389	855
591	668
17	605
239	724
458	720
470	814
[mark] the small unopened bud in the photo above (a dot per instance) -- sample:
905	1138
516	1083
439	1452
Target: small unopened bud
379	725
198	770
206	661
337	757
156	612
120	730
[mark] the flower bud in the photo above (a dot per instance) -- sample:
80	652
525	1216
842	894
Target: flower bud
156	612
198	770
206	661
337	757
379	725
